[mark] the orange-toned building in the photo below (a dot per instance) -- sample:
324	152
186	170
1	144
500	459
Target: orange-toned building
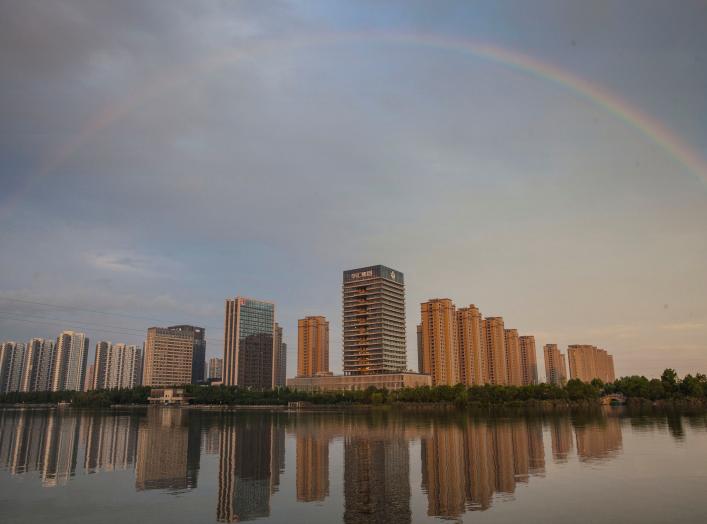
312	346
555	365
528	360
589	362
470	341
439	341
513	372
495	345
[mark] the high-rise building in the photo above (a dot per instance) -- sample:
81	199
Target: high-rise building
374	321
12	361
555	365
168	357
588	362
199	351
100	365
215	368
513	371
88	382
248	345
279	364
470	340
70	354
439	341
38	363
124	370
495	346
312	346
528	360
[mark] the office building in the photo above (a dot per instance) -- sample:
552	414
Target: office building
312	346
588	362
528	360
279	365
470	341
248	345
70	354
513	372
215	369
389	381
439	341
555	365
495	346
168	357
198	352
374	321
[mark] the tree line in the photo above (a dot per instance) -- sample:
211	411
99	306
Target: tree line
669	386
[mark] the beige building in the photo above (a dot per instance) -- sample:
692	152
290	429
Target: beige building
470	341
374	321
168	357
312	346
389	381
495	345
588	362
555	365
513	372
528	360
439	341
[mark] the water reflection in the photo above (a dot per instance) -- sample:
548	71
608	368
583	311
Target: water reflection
465	464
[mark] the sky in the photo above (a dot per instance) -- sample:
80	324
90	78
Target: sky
543	160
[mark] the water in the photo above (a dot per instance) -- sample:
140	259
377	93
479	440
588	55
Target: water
176	465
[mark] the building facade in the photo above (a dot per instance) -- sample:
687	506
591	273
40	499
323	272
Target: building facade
198	363
528	360
248	345
70	355
389	381
439	341
588	362
215	368
279	364
100	364
168	357
312	346
495	345
470	340
374	321
555	365
513	371
37	367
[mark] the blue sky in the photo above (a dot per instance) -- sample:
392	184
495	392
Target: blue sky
268	175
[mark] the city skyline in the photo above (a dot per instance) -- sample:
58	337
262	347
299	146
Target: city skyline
445	145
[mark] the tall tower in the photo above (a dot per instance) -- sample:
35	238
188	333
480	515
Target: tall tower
168	357
528	360
70	354
248	345
312	346
555	365
279	364
374	321
513	372
198	358
495	345
101	364
439	341
470	340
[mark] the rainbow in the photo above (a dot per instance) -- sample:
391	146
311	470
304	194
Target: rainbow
654	130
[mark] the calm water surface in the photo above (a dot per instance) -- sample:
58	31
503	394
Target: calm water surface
176	465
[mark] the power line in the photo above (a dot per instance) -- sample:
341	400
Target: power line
97	311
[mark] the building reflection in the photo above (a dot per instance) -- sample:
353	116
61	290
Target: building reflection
561	438
312	468
251	459
111	443
598	439
376	480
168	450
465	464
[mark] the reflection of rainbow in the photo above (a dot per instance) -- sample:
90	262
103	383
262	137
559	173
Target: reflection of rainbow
647	125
